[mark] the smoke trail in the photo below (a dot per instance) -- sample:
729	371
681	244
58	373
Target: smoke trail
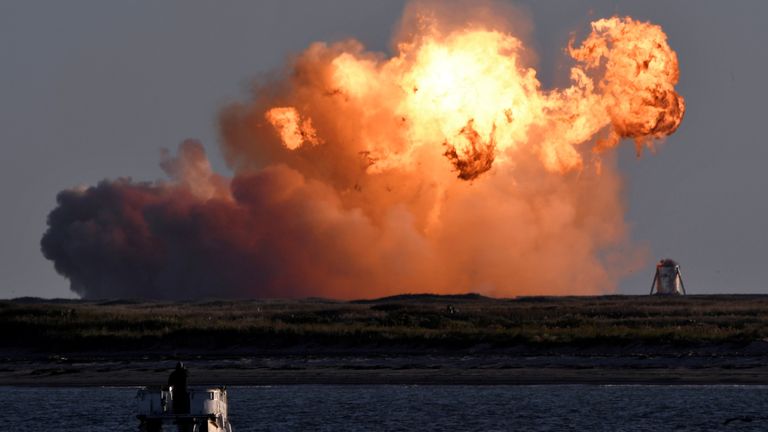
444	168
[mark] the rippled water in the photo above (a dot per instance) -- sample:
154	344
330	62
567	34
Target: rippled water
421	408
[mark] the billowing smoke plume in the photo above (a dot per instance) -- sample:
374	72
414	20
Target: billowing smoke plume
444	168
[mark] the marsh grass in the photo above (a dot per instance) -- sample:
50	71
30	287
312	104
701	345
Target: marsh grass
423	321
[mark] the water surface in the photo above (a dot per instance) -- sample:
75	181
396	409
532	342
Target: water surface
419	408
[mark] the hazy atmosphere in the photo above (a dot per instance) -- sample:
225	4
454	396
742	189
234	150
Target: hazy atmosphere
94	91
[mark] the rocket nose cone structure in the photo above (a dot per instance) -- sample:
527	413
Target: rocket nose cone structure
668	280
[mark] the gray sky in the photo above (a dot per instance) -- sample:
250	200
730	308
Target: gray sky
92	90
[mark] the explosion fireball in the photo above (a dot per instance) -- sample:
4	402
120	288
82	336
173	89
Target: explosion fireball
442	168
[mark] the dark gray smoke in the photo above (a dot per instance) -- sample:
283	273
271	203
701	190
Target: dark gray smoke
203	237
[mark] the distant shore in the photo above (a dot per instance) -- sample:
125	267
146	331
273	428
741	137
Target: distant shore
387	370
404	340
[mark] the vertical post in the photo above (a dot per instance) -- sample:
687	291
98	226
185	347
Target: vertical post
653	284
682	285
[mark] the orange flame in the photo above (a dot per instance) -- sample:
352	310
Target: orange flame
466	95
458	159
293	131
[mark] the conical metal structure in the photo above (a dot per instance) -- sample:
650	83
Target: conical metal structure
668	280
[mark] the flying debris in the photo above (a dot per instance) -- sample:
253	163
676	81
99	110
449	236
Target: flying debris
668	280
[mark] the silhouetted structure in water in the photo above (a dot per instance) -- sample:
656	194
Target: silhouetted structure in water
179	408
178	383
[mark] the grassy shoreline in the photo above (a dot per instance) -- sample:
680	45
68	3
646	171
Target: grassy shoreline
411	323
417	339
